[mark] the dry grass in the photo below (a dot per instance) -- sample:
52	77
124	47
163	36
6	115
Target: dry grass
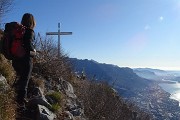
102	102
7	104
6	69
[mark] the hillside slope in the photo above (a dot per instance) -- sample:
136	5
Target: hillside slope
95	100
144	93
124	77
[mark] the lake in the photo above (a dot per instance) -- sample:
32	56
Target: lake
173	89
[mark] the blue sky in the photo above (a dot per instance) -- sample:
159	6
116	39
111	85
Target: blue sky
127	33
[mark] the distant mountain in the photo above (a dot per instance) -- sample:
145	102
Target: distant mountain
156	74
155	71
148	74
112	74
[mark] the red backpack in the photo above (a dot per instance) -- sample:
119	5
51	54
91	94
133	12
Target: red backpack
13	47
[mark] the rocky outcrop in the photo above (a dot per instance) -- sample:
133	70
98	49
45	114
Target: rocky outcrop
74	108
38	98
67	88
40	106
42	103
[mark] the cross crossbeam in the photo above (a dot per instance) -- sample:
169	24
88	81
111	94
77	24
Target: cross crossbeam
59	33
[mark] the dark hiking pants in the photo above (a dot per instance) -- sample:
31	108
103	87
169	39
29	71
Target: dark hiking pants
23	68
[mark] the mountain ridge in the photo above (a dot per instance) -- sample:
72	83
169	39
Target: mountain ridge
122	76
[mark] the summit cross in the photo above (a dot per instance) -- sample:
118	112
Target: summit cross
59	34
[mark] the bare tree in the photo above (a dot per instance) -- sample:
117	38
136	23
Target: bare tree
47	63
5	7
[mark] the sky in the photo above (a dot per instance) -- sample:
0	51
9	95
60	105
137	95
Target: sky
127	33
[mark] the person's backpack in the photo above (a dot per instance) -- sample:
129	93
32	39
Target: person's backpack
12	41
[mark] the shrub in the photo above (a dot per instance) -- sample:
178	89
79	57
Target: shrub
102	102
56	97
55	107
48	64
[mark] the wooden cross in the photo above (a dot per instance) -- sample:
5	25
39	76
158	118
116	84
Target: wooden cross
59	33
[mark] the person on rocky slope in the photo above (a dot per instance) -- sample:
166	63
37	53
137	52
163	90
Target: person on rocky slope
24	65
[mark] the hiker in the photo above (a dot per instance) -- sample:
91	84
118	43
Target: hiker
23	66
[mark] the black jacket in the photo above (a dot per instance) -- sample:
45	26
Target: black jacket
28	39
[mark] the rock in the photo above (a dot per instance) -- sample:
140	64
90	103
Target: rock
76	111
38	98
73	108
33	102
50	100
72	104
38	92
3	84
66	87
48	83
68	116
44	113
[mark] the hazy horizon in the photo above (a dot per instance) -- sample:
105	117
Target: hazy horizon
134	67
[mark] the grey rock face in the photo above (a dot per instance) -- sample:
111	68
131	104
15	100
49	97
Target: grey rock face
38	98
73	106
66	87
44	113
